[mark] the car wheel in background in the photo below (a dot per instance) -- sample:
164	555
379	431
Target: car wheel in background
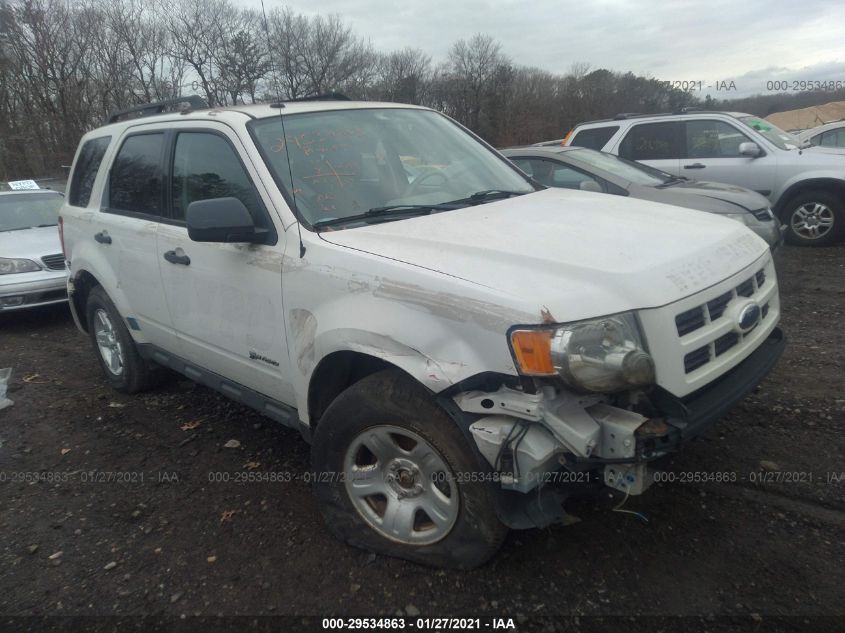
814	218
392	476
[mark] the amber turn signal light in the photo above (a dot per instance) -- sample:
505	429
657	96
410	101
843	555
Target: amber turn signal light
533	352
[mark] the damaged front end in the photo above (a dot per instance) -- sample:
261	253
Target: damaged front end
545	442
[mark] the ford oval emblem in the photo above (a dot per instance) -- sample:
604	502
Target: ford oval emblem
748	317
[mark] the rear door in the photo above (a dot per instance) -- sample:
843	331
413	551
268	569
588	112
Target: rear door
225	300
125	232
712	153
656	144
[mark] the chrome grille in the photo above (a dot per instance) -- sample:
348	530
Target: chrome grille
697	317
696	339
54	262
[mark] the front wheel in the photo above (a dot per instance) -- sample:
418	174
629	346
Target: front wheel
814	218
393	475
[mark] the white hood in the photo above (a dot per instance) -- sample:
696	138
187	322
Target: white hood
574	254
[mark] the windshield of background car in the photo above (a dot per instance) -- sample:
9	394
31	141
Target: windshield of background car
637	174
775	135
346	162
30	210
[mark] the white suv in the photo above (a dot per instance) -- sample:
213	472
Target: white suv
806	185
463	349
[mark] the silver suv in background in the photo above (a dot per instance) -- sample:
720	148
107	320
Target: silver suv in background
806	185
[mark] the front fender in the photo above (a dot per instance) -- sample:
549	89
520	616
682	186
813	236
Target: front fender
439	330
820	178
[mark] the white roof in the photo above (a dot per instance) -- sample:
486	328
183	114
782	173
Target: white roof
238	114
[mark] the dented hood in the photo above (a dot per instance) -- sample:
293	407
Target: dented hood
576	254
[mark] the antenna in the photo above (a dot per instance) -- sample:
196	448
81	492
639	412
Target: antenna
280	104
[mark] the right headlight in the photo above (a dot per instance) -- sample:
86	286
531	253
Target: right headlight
745	218
599	355
9	266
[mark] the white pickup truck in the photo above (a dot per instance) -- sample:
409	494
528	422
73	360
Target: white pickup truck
463	348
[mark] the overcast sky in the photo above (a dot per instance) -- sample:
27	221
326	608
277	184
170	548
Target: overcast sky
749	41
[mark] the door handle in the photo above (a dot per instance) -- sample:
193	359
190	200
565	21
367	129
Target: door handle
695	166
174	258
102	237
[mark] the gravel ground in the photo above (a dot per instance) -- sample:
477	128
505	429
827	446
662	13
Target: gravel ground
168	540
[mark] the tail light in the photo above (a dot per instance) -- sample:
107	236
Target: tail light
62	235
566	138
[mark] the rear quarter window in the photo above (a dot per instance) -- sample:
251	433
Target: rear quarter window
594	137
87	165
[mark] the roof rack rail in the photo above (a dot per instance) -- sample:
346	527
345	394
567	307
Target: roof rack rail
687	110
626	115
327	96
147	109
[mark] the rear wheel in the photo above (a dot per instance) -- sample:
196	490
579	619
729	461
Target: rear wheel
814	218
393	475
124	368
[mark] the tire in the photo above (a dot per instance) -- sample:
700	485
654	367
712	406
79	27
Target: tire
814	218
129	373
406	428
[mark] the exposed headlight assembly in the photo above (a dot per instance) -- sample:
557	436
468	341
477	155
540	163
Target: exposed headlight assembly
9	266
598	355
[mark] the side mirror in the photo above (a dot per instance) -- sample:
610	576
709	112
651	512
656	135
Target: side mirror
590	185
221	220
752	150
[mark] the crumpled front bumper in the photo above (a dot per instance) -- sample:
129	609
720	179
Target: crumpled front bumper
697	412
526	437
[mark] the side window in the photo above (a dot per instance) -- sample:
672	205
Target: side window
831	138
594	138
87	165
135	181
554	174
713	139
205	166
651	141
817	139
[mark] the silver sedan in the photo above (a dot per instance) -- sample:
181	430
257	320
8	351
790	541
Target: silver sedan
32	266
591	170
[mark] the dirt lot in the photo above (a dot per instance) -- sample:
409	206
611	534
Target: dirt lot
169	541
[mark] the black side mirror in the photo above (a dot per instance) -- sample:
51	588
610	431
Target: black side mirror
221	220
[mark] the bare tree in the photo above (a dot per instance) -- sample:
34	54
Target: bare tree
404	76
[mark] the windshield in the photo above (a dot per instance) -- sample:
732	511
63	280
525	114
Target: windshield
773	134
347	162
29	210
629	170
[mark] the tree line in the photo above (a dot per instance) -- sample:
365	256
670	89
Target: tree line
64	66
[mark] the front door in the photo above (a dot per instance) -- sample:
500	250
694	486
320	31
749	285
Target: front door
712	154
225	299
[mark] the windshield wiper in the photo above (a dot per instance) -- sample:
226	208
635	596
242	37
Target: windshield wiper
385	214
492	194
674	180
401	211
